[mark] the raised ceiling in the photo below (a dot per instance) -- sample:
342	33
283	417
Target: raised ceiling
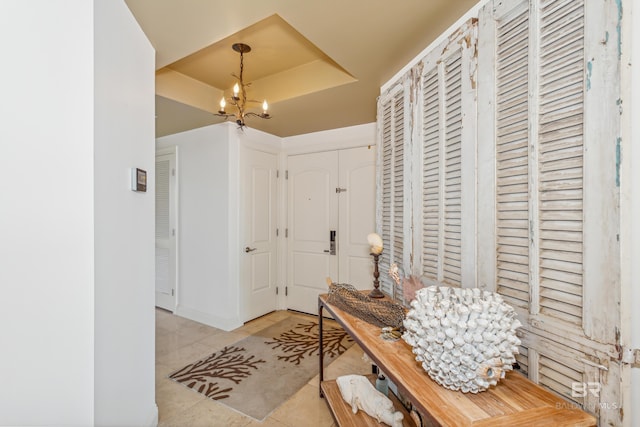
320	64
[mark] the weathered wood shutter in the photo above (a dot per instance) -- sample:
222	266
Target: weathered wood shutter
398	188
560	154
452	168
540	68
446	112
431	139
391	179
512	156
539	173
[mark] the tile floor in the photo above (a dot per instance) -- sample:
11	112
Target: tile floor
180	341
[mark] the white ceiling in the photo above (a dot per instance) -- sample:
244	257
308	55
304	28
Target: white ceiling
319	63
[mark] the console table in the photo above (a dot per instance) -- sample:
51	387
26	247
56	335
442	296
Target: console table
515	401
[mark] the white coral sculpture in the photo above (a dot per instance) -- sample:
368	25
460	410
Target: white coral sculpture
464	338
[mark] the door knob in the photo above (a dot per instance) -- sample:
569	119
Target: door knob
248	249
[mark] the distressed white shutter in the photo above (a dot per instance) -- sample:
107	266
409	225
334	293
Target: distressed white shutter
391	200
163	228
560	155
386	171
512	156
447	141
539	67
452	168
431	175
162	198
398	188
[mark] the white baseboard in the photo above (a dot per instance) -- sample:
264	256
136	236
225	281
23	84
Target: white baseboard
226	324
153	419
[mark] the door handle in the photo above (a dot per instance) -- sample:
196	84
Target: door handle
248	249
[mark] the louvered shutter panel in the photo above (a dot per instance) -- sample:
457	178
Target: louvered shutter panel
163	170
398	188
162	199
453	169
539	151
512	157
387	171
391	198
431	175
560	152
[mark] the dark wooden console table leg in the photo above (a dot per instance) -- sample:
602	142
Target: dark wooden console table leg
320	348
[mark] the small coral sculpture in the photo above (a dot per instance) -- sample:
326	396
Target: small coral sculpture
465	338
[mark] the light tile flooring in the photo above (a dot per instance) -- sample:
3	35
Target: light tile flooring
180	341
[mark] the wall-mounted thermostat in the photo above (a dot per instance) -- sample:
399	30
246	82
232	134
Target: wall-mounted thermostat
138	180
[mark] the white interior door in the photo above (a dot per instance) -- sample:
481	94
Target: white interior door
259	201
312	216
165	231
356	210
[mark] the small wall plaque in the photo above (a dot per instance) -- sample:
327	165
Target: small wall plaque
139	180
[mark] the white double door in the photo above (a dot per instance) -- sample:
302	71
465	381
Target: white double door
331	210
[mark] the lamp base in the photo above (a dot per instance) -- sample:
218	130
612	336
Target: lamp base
376	293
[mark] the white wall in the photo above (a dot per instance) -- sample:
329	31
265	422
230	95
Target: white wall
46	218
205	289
124	220
77	335
334	139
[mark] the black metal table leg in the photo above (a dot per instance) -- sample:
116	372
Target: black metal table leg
320	347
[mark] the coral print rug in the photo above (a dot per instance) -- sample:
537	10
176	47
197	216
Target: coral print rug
257	374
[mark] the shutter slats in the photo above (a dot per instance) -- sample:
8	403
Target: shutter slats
506	206
516	248
513	278
523	359
509	243
431	174
162	199
559	377
451	268
398	180
512	159
392	147
387	158
512	88
562	287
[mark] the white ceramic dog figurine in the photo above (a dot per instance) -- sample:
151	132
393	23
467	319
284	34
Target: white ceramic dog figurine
357	391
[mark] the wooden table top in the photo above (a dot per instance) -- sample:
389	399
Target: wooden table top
515	401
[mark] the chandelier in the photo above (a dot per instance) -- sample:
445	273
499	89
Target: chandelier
239	99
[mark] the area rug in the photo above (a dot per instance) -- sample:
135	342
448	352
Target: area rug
258	373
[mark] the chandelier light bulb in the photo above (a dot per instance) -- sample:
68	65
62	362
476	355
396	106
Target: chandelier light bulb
265	106
222	104
236	90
